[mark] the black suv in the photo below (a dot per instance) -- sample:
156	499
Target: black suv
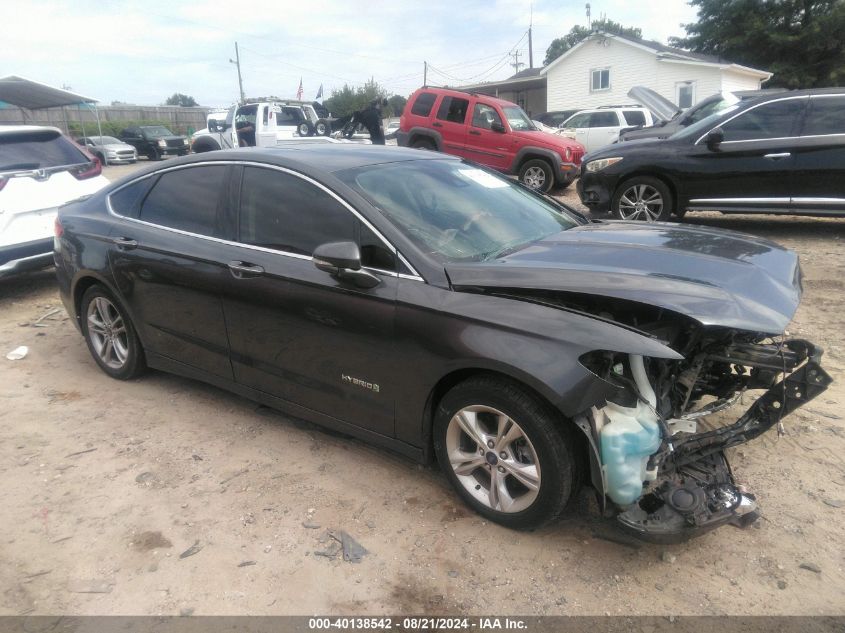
155	141
781	153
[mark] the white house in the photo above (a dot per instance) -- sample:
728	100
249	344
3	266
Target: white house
601	69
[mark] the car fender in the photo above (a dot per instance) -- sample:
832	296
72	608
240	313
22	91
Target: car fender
531	150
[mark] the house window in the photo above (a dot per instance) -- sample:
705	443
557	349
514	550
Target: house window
599	79
685	94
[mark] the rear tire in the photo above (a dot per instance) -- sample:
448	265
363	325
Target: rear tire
305	129
491	433
110	334
424	143
537	174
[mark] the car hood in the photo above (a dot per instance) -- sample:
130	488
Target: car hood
552	140
660	106
718	278
116	146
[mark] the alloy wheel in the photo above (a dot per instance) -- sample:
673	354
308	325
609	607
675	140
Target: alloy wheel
493	459
107	332
641	202
534	177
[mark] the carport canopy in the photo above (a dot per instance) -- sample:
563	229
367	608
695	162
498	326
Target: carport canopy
33	95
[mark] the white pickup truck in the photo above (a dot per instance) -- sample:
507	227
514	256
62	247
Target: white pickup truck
263	124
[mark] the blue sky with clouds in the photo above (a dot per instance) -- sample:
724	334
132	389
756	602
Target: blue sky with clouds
143	51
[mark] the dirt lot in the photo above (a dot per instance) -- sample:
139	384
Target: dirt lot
110	486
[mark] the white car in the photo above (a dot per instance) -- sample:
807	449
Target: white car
40	170
598	127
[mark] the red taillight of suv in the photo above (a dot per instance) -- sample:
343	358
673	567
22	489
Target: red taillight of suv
87	170
58	229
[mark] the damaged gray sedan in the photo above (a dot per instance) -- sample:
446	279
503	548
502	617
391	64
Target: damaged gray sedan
432	307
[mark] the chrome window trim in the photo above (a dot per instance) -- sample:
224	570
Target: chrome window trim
740	200
819	200
415	276
746	111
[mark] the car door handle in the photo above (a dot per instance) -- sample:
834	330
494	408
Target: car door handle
475	132
243	270
126	243
436	124
778	156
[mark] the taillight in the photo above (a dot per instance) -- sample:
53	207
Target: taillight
58	229
87	170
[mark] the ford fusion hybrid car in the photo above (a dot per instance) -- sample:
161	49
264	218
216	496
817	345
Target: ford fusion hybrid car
440	310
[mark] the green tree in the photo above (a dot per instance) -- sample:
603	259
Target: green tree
395	105
347	100
800	41
178	99
579	33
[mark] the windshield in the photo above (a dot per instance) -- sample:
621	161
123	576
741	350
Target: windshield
155	131
518	119
704	125
38	149
105	140
710	108
455	211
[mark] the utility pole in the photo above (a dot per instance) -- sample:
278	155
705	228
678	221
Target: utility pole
589	21
516	63
237	62
425	73
530	45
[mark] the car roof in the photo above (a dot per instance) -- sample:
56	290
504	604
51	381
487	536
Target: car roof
464	94
329	157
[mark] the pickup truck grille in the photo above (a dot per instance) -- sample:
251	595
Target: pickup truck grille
175	142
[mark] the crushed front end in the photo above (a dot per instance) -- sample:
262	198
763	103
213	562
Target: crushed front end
658	460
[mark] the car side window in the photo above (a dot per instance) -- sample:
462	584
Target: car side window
603	119
374	254
186	199
127	200
770	120
634	117
485	116
579	120
453	109
287	213
424	102
826	116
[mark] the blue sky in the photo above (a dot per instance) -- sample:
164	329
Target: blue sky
143	51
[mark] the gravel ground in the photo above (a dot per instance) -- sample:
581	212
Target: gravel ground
167	496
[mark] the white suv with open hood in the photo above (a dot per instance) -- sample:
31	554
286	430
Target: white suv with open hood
40	169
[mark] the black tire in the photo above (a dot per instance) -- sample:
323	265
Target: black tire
155	154
548	438
424	143
305	129
133	363
642	198
322	128
537	174
564	184
205	145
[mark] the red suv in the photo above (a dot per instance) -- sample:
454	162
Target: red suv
489	131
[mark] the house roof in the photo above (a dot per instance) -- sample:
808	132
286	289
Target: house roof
521	78
663	53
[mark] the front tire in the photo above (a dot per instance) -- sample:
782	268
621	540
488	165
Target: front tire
537	174
305	129
642	198
322	128
424	143
505	452
110	335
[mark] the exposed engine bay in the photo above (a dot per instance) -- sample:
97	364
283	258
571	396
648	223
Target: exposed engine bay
662	467
657	460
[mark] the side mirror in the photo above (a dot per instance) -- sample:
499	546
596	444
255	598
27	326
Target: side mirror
342	260
714	138
497	127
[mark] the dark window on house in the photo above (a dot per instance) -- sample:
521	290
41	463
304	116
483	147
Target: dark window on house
423	103
286	213
453	109
770	120
827	116
600	79
186	199
634	117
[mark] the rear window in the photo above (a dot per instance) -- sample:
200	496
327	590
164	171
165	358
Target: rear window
37	150
186	199
423	103
634	117
453	109
827	116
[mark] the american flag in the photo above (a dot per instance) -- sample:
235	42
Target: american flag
299	91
